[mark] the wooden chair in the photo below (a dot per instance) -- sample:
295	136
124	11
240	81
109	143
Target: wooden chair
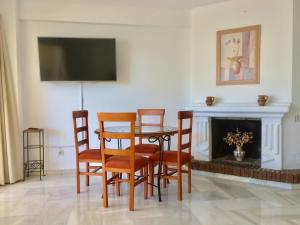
122	161
174	160
148	150
83	152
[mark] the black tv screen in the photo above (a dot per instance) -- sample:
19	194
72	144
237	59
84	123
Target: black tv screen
77	59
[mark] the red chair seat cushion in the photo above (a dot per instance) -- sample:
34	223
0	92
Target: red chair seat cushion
123	162
171	157
146	148
90	155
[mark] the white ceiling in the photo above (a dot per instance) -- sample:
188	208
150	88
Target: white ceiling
165	4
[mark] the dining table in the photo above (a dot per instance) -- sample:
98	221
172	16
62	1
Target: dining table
154	134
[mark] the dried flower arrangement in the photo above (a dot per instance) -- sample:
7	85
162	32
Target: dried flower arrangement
238	138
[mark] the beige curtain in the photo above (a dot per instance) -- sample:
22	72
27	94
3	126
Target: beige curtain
10	148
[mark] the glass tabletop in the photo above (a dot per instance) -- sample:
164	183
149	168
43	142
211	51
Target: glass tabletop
143	130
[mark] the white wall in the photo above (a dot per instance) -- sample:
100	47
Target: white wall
153	49
292	124
95	12
152	67
296	56
275	17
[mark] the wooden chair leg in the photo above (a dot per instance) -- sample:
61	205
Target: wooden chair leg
118	185
151	178
87	177
104	189
189	178
179	183
77	177
113	174
146	182
131	192
165	171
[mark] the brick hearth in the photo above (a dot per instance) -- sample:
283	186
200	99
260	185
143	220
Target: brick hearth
285	176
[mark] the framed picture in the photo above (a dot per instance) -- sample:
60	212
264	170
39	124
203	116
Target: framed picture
238	55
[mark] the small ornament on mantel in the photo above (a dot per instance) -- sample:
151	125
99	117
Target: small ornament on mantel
262	100
210	100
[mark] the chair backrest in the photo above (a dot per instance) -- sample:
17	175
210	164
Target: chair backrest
183	116
159	113
151	112
81	130
104	117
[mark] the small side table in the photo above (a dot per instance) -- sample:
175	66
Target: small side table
36	164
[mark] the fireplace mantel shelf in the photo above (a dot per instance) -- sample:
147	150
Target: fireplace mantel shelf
243	110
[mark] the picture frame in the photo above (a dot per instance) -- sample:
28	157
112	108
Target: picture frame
238	56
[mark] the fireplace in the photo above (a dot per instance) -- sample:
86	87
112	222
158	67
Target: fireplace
223	153
269	147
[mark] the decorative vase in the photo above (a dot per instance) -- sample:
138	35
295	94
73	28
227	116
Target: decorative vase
236	67
262	99
210	100
239	153
235	64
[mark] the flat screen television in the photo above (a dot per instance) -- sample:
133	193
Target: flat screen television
77	59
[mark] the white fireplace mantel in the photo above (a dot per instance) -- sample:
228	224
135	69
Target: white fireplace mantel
271	118
241	110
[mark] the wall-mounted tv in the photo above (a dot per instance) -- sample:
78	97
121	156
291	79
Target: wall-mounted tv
77	59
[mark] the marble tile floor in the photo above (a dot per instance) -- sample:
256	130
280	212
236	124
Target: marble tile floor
213	201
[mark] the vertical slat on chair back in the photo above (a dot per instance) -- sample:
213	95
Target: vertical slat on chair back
83	130
151	112
184	115
104	117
